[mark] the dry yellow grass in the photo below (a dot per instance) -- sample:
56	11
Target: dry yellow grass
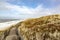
43	28
38	28
41	20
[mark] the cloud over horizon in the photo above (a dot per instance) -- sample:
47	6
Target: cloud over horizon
17	11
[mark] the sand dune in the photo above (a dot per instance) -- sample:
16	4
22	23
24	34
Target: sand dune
43	28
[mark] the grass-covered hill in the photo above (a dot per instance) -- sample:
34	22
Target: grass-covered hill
43	28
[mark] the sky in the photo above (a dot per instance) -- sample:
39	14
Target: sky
22	9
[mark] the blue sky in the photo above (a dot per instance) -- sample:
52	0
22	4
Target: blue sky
35	3
21	9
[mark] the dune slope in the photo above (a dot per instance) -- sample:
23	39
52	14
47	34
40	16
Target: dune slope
43	28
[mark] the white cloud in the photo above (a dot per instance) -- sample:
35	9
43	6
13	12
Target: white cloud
20	9
26	12
40	10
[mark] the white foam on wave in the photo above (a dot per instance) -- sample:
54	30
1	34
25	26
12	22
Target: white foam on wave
6	25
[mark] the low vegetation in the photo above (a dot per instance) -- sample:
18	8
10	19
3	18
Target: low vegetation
43	28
